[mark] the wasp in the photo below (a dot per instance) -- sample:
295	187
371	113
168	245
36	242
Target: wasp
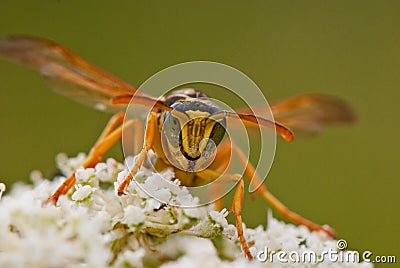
186	114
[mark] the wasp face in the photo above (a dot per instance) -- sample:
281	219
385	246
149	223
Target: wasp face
191	134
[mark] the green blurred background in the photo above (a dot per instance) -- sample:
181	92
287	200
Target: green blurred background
345	177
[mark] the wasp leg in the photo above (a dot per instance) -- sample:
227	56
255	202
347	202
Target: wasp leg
237	210
110	135
112	124
151	127
221	162
251	174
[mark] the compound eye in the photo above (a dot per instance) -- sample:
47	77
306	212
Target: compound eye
218	132
172	130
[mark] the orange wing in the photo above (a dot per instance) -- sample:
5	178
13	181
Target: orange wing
67	73
307	114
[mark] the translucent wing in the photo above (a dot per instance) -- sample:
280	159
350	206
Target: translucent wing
307	114
67	73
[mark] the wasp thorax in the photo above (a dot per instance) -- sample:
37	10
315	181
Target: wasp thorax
191	135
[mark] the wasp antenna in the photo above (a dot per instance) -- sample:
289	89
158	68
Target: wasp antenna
140	99
285	133
219	115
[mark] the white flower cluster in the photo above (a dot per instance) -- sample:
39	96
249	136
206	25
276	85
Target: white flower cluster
94	227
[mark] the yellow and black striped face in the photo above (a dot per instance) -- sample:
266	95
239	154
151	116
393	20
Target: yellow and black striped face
191	134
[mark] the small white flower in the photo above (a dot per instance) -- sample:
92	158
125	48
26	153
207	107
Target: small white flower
163	195
220	217
69	165
134	215
121	176
81	192
184	198
194	212
151	205
83	175
108	171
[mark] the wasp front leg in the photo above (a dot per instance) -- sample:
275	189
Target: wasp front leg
151	127
110	135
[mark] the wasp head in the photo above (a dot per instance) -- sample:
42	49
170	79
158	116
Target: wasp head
192	134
